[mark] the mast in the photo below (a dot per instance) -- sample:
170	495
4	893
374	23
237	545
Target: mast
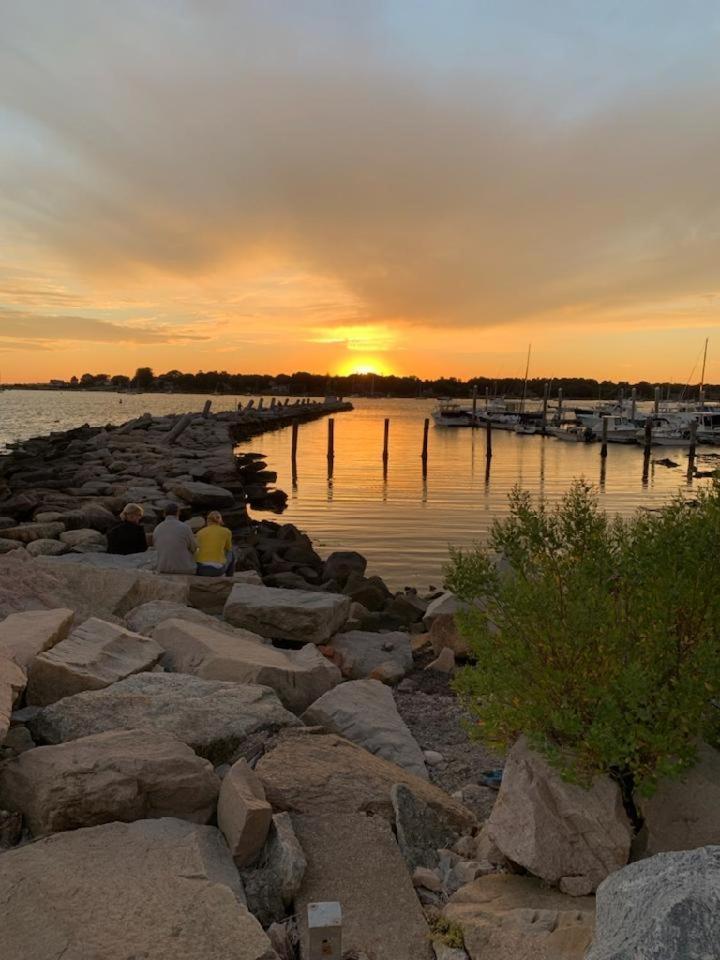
702	376
527	370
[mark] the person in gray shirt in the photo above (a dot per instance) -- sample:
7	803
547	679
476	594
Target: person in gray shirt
175	544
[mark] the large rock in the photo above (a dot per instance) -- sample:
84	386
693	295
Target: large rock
684	814
95	655
120	775
24	635
28	532
558	831
421	831
364	712
213	718
354	859
360	653
508	917
80	539
200	495
301	615
145	618
98	591
315	773
11	546
47	548
663	908
12	684
157	889
243	813
298	677
340	564
274	880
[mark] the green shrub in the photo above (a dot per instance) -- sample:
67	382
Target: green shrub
600	640
447	932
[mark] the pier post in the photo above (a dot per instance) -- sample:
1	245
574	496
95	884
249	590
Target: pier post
331	440
488	440
603	448
546	395
474	403
657	400
386	438
424	454
691	451
239	406
633	403
293	447
206	409
560	404
260	403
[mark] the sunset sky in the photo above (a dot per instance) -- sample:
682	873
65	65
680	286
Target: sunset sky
408	186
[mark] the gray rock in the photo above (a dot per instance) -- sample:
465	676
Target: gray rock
664	908
145	618
10	829
243	813
161	889
559	831
354	859
304	616
28	532
95	655
684	814
9	546
120	775
24	635
272	884
298	677
77	539
364	711
199	494
421	832
47	548
359	653
340	564
212	717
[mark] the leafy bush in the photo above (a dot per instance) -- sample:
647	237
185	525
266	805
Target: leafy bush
447	932
600	639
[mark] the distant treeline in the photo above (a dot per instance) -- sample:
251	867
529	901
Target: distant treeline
311	384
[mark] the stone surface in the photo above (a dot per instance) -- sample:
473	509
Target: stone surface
199	494
446	604
95	655
156	889
298	677
558	831
209	594
340	564
354	859
364	712
10	546
212	717
77	539
509	917
316	773
359	652
301	615
420	830
444	662
663	908
28	532
24	635
274	880
243	813
444	634
12	684
47	548
99	591
684	814
120	775
145	618
10	829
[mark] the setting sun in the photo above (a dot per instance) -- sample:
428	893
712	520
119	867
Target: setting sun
352	367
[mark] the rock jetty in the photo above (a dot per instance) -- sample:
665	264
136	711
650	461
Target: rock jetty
188	763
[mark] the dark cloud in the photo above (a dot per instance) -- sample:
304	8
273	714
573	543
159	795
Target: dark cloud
189	136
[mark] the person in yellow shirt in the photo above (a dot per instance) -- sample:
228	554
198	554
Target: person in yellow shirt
214	555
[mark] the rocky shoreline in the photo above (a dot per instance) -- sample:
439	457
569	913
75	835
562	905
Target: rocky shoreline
186	764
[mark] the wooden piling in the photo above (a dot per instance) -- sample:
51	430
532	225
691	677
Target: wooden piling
474	403
180	426
648	435
260	403
603	448
424	454
206	409
633	403
293	444
331	439
657	400
488	439
386	440
691	451
560	404
546	395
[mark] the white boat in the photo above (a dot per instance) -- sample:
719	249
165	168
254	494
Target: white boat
449	413
708	427
619	429
572	433
525	429
667	437
502	421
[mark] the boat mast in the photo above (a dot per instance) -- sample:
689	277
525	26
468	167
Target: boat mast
527	370
702	376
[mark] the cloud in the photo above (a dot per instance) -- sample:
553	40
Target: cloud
30	328
190	139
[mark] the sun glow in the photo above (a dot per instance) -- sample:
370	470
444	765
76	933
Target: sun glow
364	366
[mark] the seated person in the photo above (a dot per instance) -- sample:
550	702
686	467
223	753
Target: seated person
214	556
174	543
128	536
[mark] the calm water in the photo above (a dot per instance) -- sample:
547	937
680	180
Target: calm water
401	522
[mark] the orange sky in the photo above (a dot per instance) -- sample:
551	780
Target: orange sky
280	187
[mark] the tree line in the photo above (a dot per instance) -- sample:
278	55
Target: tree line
303	383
